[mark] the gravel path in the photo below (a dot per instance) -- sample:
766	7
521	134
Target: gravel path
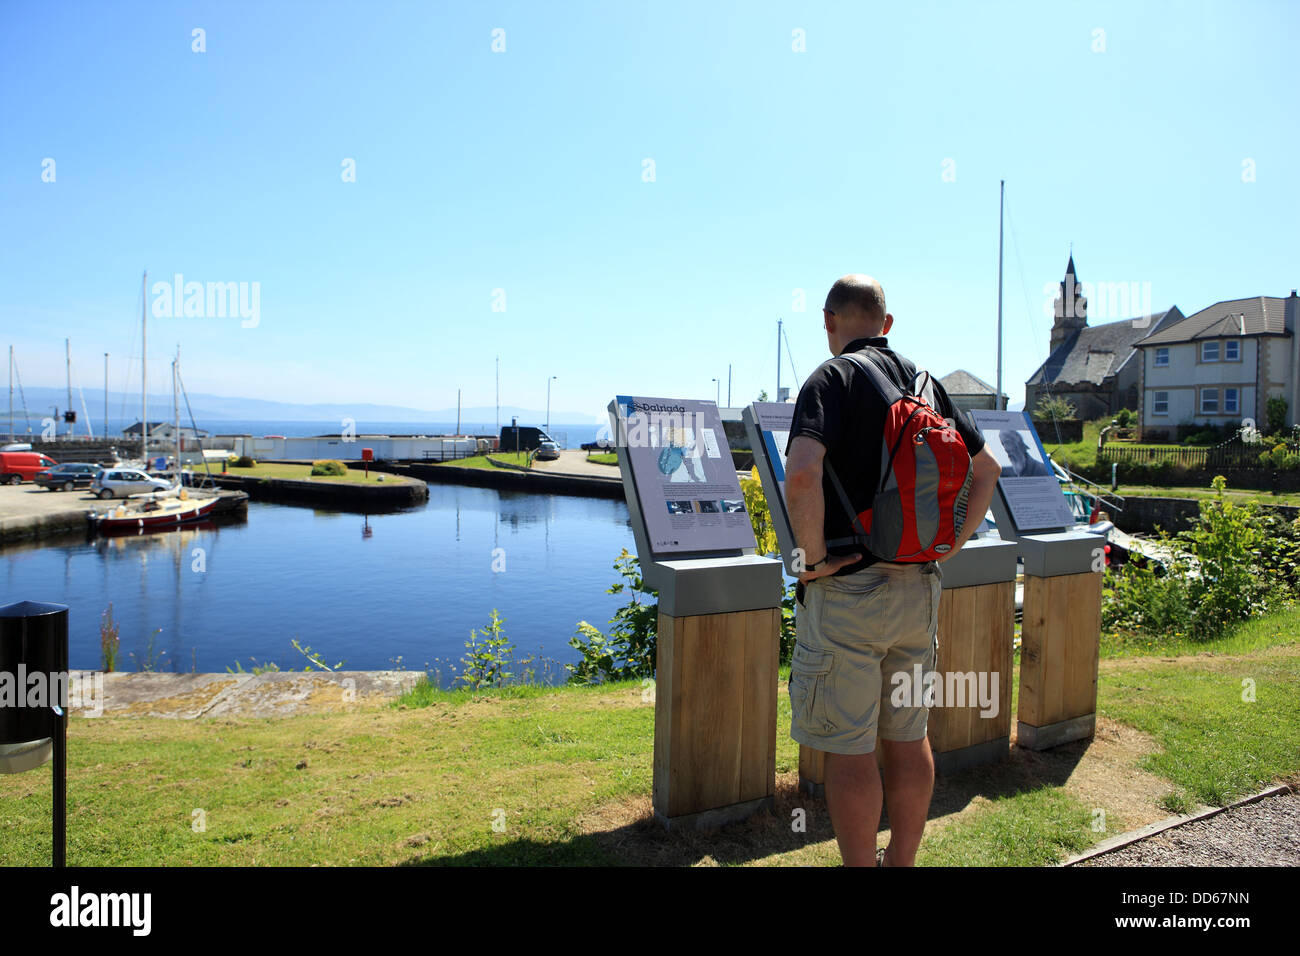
1264	833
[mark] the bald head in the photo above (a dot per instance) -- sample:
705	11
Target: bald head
855	309
857	297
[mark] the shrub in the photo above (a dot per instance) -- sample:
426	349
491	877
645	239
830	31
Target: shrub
329	468
244	461
487	661
1275	415
1051	407
1124	418
1231	565
628	651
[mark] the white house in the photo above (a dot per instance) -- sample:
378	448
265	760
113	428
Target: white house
1221	365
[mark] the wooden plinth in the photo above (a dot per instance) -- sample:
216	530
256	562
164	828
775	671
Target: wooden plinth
976	635
1059	635
715	716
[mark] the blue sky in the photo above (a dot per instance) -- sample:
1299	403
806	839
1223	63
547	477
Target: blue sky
523	171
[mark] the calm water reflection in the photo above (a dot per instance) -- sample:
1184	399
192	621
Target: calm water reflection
362	590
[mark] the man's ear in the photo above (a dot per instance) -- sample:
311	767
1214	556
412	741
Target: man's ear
889	324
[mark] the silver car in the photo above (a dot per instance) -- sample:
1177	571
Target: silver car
121	482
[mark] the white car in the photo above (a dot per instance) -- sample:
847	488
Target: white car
122	482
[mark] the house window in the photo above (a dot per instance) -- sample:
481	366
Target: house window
1230	401
1232	351
1209	351
1160	406
1162	358
1209	401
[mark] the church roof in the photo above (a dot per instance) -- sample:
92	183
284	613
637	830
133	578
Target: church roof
1092	353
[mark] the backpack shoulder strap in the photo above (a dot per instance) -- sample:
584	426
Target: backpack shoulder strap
884	385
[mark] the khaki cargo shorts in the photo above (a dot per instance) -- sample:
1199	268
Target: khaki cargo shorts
854	633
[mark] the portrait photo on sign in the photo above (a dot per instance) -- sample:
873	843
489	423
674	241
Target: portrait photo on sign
1017	452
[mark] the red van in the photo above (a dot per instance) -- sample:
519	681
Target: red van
18	466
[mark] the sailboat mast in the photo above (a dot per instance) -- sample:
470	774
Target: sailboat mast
1002	192
144	381
67	354
11	393
778	360
176	410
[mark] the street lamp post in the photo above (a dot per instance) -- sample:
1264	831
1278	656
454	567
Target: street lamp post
548	403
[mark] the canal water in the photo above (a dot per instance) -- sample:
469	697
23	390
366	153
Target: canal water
372	592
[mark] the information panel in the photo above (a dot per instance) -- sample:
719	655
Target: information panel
685	479
768	426
1028	486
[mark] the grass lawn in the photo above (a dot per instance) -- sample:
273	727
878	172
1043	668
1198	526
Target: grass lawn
481	461
563	776
356	474
604	458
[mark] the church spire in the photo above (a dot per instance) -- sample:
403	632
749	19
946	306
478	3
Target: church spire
1070	308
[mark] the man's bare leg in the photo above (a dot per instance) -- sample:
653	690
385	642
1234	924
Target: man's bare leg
909	782
853	797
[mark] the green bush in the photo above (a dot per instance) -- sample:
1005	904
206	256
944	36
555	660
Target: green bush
1124	418
1275	415
1053	407
628	651
1233	564
244	461
329	468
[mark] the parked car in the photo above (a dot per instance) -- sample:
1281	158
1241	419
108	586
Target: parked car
67	476
20	466
121	482
547	451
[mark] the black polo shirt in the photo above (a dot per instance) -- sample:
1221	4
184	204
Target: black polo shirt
839	408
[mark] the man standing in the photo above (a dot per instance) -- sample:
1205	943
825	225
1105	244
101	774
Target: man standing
860	619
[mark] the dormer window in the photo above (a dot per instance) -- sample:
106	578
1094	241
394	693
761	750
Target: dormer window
1210	351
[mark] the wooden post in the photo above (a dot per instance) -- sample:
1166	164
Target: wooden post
1059	650
715	716
976	626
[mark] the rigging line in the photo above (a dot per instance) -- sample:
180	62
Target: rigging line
130	365
789	354
90	431
22	397
1033	331
193	424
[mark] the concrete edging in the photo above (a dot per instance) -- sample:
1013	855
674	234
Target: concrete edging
1114	843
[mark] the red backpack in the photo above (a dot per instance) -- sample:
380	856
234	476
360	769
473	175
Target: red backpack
925	475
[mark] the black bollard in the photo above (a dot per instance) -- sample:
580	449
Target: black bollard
34	641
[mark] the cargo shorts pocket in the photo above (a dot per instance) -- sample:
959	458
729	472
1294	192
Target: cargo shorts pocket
808	671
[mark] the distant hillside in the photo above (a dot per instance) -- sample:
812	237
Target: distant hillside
214	408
